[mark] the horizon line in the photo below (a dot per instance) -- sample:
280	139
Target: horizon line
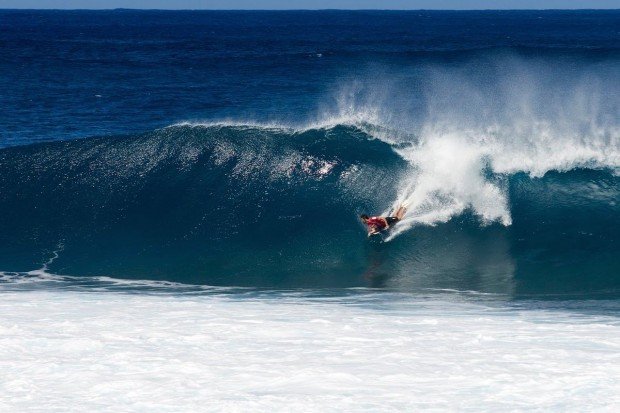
326	9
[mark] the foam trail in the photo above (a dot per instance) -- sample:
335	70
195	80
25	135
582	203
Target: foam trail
454	171
447	178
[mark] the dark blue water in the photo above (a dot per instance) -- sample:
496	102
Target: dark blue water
237	148
71	74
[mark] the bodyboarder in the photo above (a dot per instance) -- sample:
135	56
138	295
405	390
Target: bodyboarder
378	223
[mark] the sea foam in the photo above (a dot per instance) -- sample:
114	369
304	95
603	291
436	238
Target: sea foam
104	351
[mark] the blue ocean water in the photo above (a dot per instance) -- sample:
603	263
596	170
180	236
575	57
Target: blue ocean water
238	148
179	201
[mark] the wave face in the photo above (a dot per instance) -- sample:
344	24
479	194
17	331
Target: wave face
251	205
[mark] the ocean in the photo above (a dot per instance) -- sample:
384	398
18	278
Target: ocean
180	195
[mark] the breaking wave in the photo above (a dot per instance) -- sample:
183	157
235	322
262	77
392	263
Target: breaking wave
258	205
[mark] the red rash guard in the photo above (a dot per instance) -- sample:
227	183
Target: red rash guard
376	222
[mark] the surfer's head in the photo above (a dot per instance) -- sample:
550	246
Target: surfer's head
364	217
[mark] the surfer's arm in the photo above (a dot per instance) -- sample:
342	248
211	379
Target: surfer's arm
372	231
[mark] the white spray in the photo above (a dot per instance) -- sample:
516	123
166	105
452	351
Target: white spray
475	125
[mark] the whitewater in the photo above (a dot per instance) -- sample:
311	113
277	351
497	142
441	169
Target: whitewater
87	350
